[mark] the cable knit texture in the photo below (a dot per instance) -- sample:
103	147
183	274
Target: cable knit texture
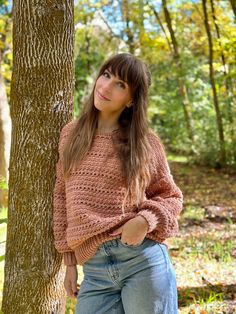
87	206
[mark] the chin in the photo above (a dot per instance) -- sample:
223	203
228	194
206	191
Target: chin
97	105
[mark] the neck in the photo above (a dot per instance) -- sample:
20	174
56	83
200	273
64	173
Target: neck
107	122
107	127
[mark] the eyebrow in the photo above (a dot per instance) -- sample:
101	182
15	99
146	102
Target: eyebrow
112	74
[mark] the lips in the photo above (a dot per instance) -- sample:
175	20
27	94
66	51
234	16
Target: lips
101	96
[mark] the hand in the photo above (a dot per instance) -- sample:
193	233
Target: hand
133	231
70	281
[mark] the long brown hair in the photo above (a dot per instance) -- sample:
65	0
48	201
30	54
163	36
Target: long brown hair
131	143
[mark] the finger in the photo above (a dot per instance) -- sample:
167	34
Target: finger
68	289
117	231
74	288
70	293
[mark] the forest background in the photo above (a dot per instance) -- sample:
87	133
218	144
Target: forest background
190	47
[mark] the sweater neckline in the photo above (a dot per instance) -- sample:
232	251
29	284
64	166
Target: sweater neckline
100	132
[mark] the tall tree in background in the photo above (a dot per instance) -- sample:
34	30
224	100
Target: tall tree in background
228	83
181	83
141	21
222	159
128	30
233	4
41	103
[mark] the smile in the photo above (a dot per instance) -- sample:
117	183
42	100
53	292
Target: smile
102	97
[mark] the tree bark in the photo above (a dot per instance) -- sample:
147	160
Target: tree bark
222	158
41	103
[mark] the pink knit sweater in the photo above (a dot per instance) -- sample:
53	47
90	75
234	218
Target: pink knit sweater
88	205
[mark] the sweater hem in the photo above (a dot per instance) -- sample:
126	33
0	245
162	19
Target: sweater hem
89	247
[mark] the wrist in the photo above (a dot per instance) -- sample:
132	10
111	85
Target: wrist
71	266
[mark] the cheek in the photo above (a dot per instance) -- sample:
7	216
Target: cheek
120	98
121	95
97	83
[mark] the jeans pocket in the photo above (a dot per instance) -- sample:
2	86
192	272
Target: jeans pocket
131	245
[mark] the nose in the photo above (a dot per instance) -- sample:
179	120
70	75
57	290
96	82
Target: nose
107	86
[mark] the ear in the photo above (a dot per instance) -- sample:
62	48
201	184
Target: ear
129	104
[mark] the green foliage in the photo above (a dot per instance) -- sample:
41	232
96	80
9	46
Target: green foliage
6	58
3	183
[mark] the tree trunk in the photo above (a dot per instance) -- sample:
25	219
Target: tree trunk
228	93
233	5
141	28
125	9
222	159
41	103
181	84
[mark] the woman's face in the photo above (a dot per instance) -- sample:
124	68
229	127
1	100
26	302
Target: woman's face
111	94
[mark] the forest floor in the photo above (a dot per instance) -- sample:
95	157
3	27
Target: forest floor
204	254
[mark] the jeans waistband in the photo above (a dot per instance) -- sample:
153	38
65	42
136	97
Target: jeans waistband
112	242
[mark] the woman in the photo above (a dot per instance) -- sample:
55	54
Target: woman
115	200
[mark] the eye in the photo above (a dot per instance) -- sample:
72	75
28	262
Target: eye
121	84
106	73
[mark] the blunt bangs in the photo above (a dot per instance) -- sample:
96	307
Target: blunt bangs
126	69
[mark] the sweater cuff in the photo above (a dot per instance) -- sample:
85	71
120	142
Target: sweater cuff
69	258
150	217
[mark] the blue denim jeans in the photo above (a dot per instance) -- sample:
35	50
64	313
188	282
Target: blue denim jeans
122	278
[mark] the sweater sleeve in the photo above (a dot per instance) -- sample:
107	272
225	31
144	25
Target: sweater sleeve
164	199
59	215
